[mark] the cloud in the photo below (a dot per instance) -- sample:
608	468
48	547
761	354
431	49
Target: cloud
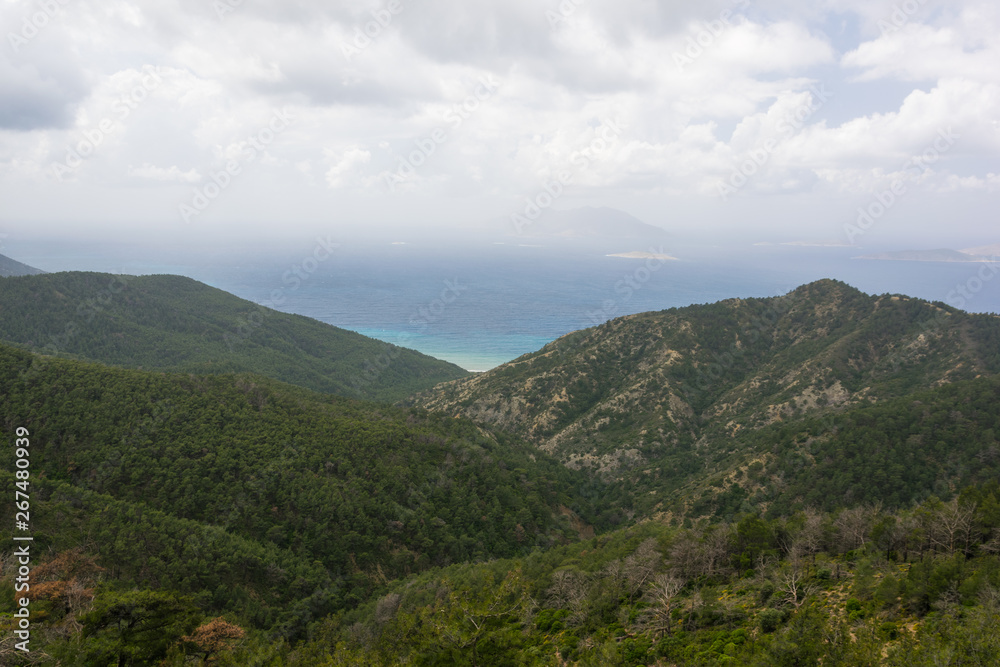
170	174
345	165
39	89
698	89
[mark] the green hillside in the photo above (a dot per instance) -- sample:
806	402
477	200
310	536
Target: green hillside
178	324
794	480
857	588
153	472
652	400
896	453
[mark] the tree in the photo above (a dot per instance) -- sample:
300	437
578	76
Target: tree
641	565
661	596
135	627
951	526
792	584
214	637
808	541
67	583
478	623
569	591
853	525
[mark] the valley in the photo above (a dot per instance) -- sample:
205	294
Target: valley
734	481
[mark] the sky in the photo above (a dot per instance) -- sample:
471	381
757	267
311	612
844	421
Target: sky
849	121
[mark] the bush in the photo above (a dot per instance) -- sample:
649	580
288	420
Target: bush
770	620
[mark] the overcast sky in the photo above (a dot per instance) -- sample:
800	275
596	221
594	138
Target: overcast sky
776	118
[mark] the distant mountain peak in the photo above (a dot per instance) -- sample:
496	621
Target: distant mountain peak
11	267
593	222
826	287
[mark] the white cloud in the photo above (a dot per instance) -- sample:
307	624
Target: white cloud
346	164
170	174
686	123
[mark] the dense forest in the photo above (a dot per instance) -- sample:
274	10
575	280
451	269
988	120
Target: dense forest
211	484
757	482
173	323
658	402
857	587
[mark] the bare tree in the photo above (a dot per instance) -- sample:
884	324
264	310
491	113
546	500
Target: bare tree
713	551
662	597
993	545
613	576
854	524
641	566
684	553
386	608
952	525
568	591
791	583
705	554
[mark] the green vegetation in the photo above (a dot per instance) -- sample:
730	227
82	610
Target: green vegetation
793	591
668	406
173	323
795	481
255	497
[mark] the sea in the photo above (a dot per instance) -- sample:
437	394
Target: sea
480	305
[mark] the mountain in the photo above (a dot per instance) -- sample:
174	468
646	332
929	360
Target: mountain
603	229
179	324
810	476
654	400
857	588
594	223
940	255
983	251
258	496
10	267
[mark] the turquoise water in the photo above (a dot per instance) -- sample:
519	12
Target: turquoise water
481	306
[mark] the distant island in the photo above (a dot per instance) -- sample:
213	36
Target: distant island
586	225
642	255
817	244
939	255
11	267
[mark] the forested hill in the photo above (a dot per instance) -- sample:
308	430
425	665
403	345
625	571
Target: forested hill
12	267
265	499
607	396
179	324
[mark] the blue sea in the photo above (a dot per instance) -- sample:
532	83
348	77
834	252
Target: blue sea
482	305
